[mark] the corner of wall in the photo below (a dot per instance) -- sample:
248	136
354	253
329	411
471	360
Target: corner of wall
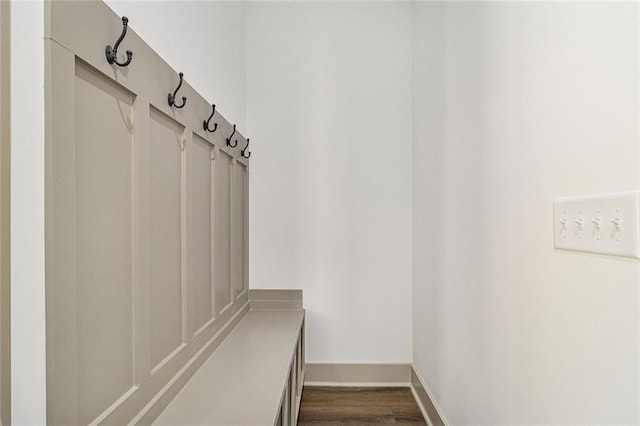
28	353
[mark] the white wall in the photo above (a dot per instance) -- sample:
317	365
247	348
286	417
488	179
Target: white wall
28	357
206	40
517	104
329	103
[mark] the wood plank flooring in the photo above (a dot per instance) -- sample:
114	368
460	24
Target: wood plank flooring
343	405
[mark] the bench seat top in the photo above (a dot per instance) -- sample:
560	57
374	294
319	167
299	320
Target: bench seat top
241	382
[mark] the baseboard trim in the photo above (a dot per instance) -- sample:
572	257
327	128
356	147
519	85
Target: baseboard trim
322	374
261	299
423	395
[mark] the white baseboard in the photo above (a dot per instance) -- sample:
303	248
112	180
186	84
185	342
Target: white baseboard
261	299
428	405
362	375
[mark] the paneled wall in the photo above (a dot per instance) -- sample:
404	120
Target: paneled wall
146	225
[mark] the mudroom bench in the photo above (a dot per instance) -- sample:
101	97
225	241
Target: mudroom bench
255	376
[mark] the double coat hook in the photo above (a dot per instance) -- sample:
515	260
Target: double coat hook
205	124
172	97
112	52
230	136
245	150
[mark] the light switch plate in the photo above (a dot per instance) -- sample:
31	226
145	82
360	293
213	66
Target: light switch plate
604	224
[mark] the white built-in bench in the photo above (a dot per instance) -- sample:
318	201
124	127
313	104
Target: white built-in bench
255	376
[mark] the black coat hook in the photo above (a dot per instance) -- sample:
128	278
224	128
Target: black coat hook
112	52
172	98
245	150
230	136
205	124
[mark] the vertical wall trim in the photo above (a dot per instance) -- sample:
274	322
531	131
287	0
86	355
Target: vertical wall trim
245	230
28	351
186	219
638	157
61	232
232	171
212	240
141	250
5	206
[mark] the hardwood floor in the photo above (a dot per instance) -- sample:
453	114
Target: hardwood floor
341	405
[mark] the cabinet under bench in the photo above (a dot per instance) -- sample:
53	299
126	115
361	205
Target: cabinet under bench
254	377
